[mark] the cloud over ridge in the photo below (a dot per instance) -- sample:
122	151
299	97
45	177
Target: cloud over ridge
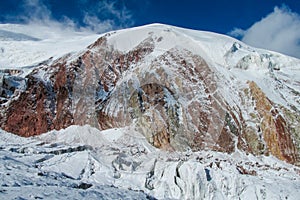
279	31
97	17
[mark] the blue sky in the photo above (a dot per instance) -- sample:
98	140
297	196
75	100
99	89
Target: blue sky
271	24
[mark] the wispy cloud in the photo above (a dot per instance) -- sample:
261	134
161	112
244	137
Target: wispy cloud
121	13
97	17
107	15
278	31
94	24
35	10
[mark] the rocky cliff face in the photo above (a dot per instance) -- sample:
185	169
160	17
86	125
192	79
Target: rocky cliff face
176	95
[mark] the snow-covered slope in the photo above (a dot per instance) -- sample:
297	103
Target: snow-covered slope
27	45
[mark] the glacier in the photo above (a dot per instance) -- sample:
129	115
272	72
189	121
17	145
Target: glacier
83	162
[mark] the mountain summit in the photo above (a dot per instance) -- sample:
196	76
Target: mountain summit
182	89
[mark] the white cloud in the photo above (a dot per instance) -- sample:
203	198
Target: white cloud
278	31
116	17
122	14
94	24
35	10
104	16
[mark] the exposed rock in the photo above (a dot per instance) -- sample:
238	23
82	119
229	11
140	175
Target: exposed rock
274	127
242	170
28	115
293	119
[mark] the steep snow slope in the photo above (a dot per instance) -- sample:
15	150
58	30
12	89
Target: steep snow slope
83	162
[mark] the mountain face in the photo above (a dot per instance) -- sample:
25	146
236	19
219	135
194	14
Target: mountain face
181	89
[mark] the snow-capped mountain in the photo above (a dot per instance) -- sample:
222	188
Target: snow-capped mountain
221	112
